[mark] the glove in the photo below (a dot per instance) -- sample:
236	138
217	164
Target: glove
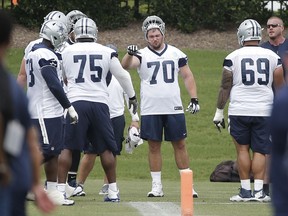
73	115
133	102
193	106
132	50
219	119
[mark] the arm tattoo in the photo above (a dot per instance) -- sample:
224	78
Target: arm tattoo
225	88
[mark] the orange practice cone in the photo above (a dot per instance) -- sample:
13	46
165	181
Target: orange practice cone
186	193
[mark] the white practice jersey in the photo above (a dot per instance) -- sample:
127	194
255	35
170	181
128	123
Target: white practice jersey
60	50
116	100
85	65
30	45
252	68
42	103
160	92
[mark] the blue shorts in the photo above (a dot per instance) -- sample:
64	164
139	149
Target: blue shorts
94	127
50	133
118	128
174	126
253	131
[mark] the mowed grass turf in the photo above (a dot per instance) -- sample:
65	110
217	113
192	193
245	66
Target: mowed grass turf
207	148
213	201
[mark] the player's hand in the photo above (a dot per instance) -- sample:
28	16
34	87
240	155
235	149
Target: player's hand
73	115
132	50
133	104
193	106
219	119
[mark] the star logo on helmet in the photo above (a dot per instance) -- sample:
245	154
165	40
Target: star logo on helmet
61	28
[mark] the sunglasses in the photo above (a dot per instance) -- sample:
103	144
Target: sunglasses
273	25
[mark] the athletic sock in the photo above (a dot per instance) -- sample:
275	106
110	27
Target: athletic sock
71	176
258	184
245	184
113	186
266	189
51	185
156	177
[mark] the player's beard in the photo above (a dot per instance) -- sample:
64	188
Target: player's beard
157	45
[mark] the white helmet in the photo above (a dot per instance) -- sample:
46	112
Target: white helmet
153	22
56	15
72	17
54	31
249	30
134	137
85	28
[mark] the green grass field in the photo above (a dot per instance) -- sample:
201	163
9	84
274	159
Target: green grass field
207	148
213	201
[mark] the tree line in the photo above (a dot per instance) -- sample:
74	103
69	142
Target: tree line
185	15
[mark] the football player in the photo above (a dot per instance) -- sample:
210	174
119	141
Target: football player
247	79
72	17
158	66
47	100
85	65
116	104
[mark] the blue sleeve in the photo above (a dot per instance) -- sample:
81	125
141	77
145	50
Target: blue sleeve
182	62
114	54
49	74
227	63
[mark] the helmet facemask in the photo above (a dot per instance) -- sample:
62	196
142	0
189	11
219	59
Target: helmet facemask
73	16
56	15
249	30
55	32
85	28
152	22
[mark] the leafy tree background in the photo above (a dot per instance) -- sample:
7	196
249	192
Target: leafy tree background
186	15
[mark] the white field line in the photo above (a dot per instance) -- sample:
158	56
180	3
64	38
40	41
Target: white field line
172	209
231	203
157	208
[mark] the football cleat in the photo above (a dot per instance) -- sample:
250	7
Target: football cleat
156	191
195	194
112	196
59	198
79	191
69	190
104	190
243	196
260	196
